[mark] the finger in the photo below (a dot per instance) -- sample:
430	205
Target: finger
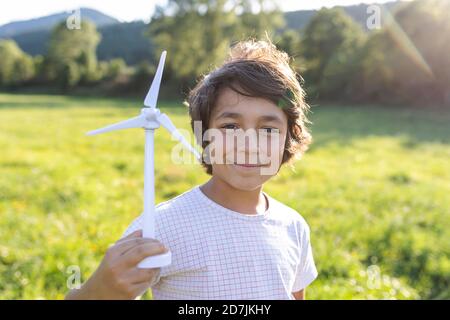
116	248
135	234
139	252
139	276
124	247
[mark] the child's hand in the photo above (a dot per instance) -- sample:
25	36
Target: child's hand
118	276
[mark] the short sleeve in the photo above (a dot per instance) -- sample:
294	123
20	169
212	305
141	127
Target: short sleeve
134	226
306	271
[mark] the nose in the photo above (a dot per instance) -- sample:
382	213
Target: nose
247	148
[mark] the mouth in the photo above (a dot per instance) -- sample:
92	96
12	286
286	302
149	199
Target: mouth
244	165
247	165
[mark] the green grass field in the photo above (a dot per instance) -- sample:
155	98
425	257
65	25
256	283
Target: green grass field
374	187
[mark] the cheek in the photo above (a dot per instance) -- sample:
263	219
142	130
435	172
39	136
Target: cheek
218	148
273	147
229	145
282	145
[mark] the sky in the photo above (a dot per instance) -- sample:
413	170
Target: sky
131	9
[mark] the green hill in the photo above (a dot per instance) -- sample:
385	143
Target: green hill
48	22
127	40
120	40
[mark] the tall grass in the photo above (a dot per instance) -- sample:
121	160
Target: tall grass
374	188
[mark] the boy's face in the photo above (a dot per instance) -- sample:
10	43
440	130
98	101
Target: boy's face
249	139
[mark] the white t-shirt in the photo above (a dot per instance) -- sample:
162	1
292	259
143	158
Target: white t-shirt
218	253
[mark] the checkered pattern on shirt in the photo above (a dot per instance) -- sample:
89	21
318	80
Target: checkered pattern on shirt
218	253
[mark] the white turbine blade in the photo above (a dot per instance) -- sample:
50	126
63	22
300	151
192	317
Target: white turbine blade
136	122
165	121
152	95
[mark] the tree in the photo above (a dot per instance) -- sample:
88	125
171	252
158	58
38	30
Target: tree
289	41
258	18
16	67
422	65
330	43
115	67
192	48
142	76
399	62
375	77
73	49
341	71
198	33
69	75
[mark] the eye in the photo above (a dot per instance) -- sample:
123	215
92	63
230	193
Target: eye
229	126
269	130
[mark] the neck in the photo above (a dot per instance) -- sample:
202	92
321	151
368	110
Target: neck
245	202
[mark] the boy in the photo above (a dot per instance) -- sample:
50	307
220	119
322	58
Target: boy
228	238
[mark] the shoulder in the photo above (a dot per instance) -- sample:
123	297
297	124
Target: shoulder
174	210
289	215
185	203
180	200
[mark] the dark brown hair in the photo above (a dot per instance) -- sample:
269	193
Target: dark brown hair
256	69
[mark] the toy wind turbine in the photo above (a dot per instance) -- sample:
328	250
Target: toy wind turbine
150	119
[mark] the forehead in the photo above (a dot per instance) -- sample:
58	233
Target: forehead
248	107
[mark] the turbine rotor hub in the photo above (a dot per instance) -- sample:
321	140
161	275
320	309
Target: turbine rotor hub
151	116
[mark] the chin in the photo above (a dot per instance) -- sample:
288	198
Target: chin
243	179
246	181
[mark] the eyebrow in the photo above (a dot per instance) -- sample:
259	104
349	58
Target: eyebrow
235	115
271	118
227	114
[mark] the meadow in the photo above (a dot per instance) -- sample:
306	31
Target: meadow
374	188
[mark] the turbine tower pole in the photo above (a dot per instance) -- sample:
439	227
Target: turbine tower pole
149	188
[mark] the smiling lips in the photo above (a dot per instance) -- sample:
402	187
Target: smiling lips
248	165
